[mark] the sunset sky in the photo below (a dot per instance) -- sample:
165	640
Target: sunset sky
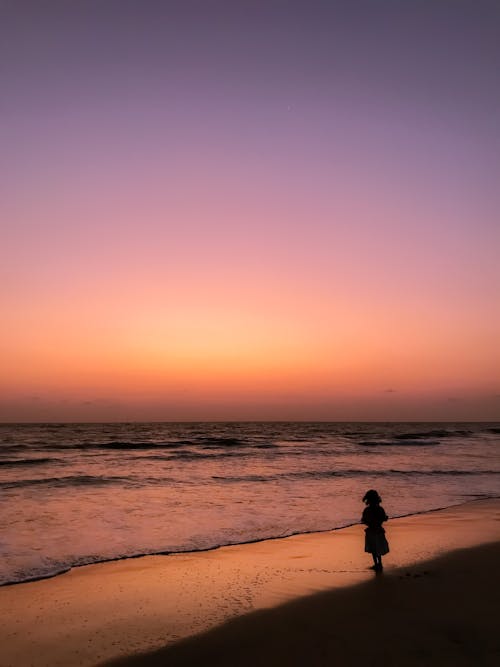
249	210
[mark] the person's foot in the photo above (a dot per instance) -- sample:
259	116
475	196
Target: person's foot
378	567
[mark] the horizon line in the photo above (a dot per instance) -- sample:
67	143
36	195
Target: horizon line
259	421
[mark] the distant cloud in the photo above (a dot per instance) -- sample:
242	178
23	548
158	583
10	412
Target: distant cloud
97	401
389	391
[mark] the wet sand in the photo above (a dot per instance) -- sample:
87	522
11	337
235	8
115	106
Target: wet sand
308	599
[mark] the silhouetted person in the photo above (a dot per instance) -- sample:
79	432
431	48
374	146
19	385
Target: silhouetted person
374	516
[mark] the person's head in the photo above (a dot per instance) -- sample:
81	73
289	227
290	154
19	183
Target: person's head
371	497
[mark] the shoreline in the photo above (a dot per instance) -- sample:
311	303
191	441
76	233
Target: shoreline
98	613
119	559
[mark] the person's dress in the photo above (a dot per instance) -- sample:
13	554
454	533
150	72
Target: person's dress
375	541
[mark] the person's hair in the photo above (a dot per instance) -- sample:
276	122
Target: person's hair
371	497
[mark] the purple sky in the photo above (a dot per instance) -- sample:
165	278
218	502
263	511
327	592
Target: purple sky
224	210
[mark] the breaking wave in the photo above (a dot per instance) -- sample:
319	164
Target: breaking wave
27	462
321	474
399	443
67	481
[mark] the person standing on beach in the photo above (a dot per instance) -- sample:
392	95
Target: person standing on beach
374	516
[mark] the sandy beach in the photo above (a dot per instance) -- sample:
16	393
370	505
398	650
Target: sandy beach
303	599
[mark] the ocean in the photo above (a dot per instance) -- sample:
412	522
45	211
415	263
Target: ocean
74	494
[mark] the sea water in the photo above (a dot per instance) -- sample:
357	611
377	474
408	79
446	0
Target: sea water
74	494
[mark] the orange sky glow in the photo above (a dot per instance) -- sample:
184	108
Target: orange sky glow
248	233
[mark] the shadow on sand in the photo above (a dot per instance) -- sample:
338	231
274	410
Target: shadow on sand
443	612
